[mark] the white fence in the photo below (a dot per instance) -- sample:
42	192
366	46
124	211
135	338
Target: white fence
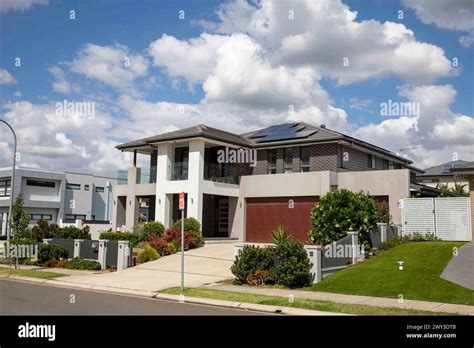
448	218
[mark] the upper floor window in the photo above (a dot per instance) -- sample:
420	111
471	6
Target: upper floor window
99	189
272	161
391	165
75	217
73	186
86	187
305	156
5	186
371	162
36	217
288	160
40	183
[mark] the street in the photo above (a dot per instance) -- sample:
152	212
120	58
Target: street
22	298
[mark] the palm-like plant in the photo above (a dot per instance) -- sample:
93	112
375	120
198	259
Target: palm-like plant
459	189
280	235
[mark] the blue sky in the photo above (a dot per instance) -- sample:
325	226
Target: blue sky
81	60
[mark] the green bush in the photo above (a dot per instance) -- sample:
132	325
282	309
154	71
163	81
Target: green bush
341	211
132	237
49	252
292	268
408	238
72	232
192	226
250	260
148	254
151	228
83	264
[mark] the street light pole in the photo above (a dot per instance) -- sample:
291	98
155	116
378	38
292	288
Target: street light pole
12	182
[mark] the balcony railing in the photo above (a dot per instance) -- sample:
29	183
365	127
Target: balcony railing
221	173
145	176
179	171
122	177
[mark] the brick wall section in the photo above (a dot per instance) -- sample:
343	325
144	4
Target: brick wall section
297	159
261	167
323	157
358	160
280	161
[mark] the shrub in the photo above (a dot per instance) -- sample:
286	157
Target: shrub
41	230
259	278
192	226
251	259
408	238
83	264
72	232
292	267
161	245
151	228
383	213
49	252
341	211
132	237
148	254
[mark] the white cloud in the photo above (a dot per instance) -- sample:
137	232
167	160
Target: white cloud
18	94
61	85
325	33
114	65
6	78
453	15
20	5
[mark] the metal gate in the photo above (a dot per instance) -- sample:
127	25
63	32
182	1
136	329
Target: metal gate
448	218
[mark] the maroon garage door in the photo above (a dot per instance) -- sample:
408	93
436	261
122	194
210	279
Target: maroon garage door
264	214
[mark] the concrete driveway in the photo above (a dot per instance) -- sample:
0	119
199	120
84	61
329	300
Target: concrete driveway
460	269
205	265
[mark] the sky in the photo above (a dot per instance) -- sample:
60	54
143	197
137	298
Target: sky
398	74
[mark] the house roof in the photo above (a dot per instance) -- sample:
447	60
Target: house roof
445	169
313	134
463	167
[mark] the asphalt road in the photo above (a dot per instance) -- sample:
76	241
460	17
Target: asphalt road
23	298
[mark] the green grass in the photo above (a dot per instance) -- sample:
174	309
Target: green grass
419	280
325	306
30	273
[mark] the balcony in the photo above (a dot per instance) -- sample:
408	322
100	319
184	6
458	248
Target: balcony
145	176
221	173
179	171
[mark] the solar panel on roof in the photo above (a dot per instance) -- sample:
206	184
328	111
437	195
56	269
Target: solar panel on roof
447	168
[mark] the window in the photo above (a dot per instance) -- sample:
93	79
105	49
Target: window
371	162
288	160
40	183
390	165
73	186
305	156
385	164
5	186
86	187
35	217
99	189
75	217
272	161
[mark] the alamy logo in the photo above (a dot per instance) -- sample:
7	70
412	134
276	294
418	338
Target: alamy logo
37	331
71	109
399	109
237	156
8	250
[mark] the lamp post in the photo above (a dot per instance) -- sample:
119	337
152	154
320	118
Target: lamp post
12	186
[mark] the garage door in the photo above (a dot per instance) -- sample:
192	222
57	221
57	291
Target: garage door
264	214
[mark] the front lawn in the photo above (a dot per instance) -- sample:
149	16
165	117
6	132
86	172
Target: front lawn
30	273
419	280
325	306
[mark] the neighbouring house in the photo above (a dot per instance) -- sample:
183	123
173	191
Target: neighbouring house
292	165
442	174
57	196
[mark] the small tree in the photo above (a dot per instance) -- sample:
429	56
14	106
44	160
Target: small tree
341	211
19	231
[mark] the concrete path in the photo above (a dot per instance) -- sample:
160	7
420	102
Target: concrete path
353	299
460	269
205	265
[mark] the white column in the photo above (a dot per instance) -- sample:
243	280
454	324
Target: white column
315	255
195	178
123	254
163	175
4	223
355	245
77	247
102	253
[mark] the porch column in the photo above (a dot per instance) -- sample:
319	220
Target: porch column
131	210
195	178
4	224
163	175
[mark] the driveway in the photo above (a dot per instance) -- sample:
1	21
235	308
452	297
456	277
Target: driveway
205	265
460	269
